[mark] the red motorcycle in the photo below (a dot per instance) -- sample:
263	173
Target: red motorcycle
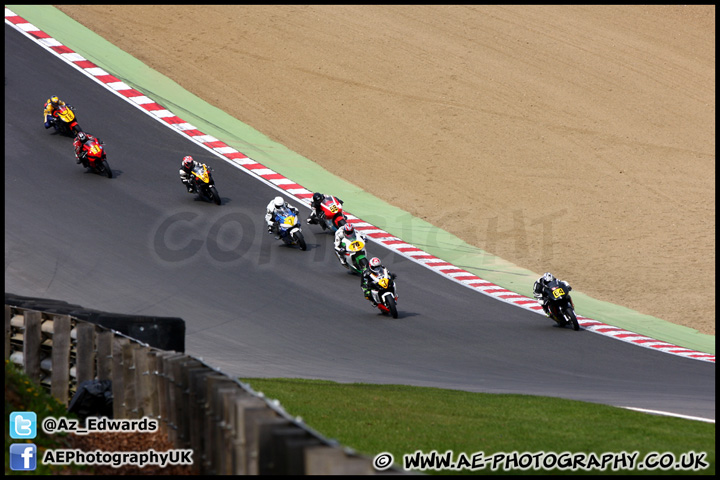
95	157
331	215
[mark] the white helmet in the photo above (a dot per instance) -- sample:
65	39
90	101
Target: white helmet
278	202
548	277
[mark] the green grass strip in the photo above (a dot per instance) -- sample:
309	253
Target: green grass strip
402	420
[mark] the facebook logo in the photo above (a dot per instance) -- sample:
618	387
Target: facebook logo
23	425
23	456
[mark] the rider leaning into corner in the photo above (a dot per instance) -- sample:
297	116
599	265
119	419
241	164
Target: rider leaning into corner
375	267
79	143
275	204
316	212
349	233
186	168
51	105
539	290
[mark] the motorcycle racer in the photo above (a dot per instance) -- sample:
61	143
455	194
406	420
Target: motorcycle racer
375	267
50	106
539	290
79	144
316	212
275	204
348	232
186	168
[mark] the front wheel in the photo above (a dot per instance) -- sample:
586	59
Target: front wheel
215	196
573	319
390	303
300	239
106	169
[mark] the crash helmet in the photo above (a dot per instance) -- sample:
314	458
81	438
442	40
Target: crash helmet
349	230
318	198
54	100
278	202
375	264
548	277
82	137
187	161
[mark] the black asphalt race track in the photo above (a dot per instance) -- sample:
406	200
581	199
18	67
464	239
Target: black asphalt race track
140	244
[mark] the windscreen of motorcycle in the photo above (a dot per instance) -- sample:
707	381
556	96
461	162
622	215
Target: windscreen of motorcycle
201	172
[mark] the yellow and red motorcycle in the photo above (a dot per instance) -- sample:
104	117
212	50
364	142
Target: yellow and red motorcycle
203	183
65	122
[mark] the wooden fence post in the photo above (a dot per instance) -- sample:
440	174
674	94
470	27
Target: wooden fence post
32	339
197	377
118	375
85	352
184	394
129	384
154	385
60	374
245	407
142	381
164	398
327	460
175	399
223	394
104	354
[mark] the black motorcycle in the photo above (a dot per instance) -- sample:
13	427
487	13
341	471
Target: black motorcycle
560	304
384	292
204	184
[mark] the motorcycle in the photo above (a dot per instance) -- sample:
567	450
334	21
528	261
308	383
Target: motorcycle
65	122
331	215
204	185
288	227
384	292
95	158
354	254
560	305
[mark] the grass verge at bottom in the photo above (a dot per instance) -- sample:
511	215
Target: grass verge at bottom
528	430
23	395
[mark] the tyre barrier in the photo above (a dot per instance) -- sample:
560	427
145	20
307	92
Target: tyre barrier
165	333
